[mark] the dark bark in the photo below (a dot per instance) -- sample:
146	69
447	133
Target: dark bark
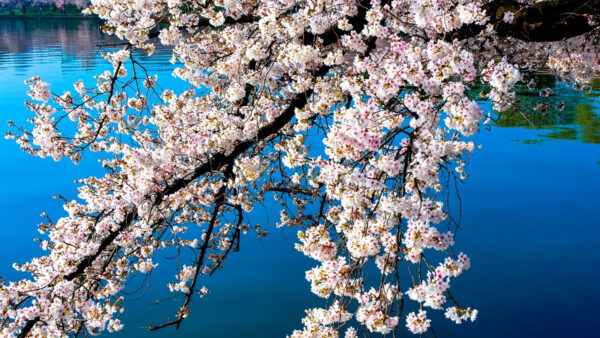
30	324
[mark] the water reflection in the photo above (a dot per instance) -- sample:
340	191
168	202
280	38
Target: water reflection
74	44
568	115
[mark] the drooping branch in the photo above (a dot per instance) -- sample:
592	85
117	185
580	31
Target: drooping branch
369	203
219	201
217	162
222	159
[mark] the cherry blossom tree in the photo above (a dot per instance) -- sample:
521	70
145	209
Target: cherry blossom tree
387	86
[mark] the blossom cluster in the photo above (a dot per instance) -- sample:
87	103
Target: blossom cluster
353	114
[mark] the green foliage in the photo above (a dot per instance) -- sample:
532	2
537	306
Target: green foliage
568	114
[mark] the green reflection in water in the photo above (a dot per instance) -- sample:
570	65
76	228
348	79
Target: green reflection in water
578	120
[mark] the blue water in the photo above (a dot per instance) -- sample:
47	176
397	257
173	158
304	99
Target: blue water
530	215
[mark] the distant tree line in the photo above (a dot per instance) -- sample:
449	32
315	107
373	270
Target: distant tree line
55	5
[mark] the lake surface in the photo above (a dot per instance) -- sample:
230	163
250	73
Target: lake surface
530	213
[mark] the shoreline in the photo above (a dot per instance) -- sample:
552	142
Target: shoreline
53	17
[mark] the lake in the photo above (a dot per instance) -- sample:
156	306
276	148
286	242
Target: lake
530	213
